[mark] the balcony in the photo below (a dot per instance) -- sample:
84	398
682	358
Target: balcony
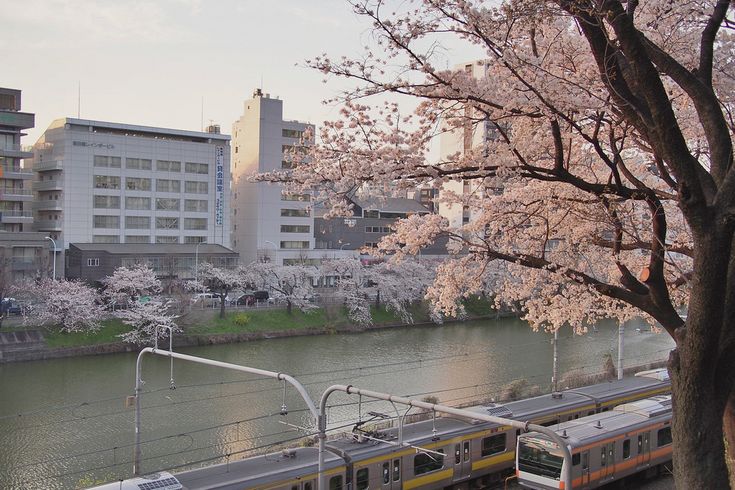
53	205
16	151
44	166
20	120
48	185
48	225
8	172
16	216
24	195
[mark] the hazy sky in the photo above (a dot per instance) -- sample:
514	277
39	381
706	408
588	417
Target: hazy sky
152	62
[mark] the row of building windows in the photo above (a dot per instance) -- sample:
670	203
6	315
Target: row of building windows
188	240
147	164
295	197
144	222
377	229
144	203
144	184
295	228
295	213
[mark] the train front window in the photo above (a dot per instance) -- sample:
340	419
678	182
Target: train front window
537	458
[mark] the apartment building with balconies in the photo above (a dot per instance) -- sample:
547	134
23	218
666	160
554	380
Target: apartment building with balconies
15	177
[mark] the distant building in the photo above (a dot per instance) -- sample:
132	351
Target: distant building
15	178
267	223
24	255
94	261
109	183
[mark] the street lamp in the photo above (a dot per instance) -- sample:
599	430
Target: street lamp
344	245
54	243
196	261
275	247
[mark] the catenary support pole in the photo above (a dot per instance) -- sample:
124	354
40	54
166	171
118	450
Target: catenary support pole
351	390
555	370
621	337
209	362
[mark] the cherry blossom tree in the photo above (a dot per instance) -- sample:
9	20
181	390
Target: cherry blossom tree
596	137
290	283
127	284
351	287
72	306
219	281
398	284
144	318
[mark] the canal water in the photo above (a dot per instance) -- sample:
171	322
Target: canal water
64	423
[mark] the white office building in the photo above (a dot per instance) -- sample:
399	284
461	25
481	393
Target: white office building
102	182
268	223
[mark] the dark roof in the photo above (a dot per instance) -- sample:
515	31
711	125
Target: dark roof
390	204
151	248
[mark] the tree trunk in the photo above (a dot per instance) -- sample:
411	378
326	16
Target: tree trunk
222	305
288	306
728	422
699	448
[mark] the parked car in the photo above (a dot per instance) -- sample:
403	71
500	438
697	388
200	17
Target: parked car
205	299
261	295
9	306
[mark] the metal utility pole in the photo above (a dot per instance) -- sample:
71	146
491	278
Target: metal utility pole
54	259
209	362
555	369
566	477
621	336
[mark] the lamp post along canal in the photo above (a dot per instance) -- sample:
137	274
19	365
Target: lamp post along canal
53	242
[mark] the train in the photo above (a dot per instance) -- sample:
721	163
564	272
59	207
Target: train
631	439
438	453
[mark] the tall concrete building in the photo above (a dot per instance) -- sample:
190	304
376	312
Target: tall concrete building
268	223
15	178
103	182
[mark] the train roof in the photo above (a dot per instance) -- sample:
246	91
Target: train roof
597	394
600	426
256	470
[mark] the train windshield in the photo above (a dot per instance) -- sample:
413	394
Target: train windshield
540	457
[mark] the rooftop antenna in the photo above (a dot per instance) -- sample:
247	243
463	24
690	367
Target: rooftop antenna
202	119
79	99
261	82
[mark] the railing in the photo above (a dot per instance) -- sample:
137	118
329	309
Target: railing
14	147
17	170
48	225
48	185
55	165
15	192
16	214
48	205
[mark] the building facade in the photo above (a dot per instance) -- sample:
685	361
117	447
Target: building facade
15	178
110	183
268	223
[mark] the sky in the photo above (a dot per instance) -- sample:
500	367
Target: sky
152	63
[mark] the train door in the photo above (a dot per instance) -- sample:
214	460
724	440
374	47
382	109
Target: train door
607	461
585	469
644	449
391	475
462	463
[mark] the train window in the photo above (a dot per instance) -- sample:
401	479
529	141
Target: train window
575	459
307	485
664	436
640	444
386	473
592	412
626	449
457	454
396	469
586	461
335	483
467	451
425	463
493	445
294	487
576	416
363	479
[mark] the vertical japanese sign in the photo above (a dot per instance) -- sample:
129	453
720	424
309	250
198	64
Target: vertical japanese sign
219	184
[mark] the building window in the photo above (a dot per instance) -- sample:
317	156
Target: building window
196	187
295	197
196	168
295	228
295	213
168	166
195	223
196	205
105	239
426	463
138	163
493	445
93	262
137	184
167	223
106	182
165	204
137	239
371	244
107	202
106	161
192	240
138	203
167	239
165	185
292	133
291	244
287	164
370	214
106	221
377	229
137	222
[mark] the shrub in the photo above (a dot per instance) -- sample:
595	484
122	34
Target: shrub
241	319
